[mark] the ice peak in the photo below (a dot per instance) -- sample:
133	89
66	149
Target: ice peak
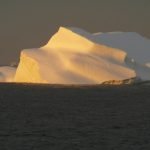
70	39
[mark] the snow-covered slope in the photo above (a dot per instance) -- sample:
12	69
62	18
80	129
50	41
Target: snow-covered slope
74	56
135	45
132	43
7	74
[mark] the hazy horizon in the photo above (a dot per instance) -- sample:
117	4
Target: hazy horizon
27	24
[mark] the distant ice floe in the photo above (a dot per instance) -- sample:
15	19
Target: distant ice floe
74	56
7	74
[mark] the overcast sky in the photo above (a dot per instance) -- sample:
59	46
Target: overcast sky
31	23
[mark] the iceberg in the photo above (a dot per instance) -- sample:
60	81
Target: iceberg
75	56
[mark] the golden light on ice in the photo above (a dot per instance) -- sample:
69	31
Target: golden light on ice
75	57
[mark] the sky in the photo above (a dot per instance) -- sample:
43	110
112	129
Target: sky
31	23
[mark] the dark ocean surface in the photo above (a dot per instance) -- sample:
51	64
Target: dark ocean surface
53	117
